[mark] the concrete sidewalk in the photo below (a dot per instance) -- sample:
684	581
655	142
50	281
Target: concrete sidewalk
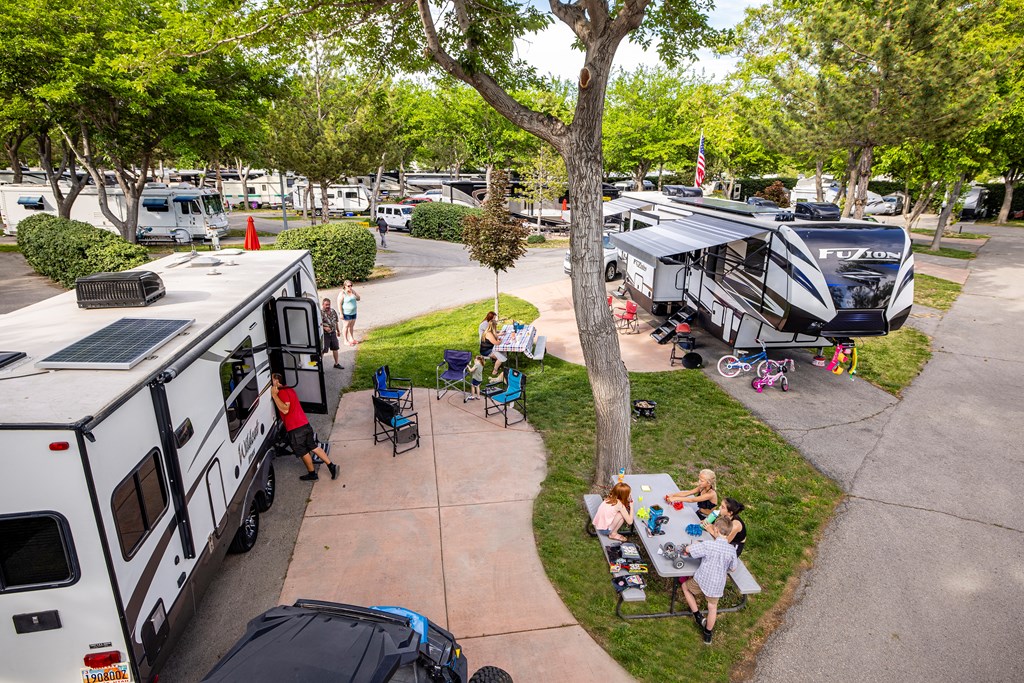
445	529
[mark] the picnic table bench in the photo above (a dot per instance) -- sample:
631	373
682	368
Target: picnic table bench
741	577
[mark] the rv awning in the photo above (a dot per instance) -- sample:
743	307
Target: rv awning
622	205
30	201
681	236
186	198
154	201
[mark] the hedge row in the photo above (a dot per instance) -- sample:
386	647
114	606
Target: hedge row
440	220
340	251
66	250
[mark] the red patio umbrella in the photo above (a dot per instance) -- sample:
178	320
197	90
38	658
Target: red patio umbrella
252	242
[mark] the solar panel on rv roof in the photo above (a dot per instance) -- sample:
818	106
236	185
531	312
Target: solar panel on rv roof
120	345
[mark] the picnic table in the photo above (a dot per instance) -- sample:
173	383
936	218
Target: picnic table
512	341
659	486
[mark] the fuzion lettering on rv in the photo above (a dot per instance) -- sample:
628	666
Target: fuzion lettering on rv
861	254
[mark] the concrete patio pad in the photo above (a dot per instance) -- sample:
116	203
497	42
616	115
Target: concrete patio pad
445	529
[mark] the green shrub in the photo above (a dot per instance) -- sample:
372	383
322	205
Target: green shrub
749	187
440	221
536	239
65	250
340	252
777	193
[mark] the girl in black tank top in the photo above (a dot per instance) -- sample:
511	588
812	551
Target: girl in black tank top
737	537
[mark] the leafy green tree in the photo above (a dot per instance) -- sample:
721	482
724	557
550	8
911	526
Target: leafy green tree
543	179
495	239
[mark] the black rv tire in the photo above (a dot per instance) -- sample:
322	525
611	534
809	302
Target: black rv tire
248	532
269	493
490	674
610	271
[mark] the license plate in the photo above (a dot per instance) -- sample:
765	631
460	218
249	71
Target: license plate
117	672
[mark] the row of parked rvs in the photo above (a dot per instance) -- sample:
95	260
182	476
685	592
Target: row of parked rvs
136	449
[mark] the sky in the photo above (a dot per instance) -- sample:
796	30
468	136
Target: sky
551	50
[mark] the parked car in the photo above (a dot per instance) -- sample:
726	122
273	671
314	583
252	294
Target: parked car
611	258
413	201
397	216
314	641
974	206
817	211
629	185
896	200
760	201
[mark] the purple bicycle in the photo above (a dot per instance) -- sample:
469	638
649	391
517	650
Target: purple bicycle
775	372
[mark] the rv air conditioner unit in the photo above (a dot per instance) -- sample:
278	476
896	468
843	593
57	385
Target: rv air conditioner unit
119	290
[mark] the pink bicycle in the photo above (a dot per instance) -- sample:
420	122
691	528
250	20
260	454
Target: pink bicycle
775	372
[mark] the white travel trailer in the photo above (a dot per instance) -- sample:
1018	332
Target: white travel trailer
751	273
135	447
264	191
341	199
183	212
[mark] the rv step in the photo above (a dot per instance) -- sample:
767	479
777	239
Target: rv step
665	333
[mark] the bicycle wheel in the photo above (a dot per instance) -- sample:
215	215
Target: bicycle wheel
763	367
785	384
728	366
756	383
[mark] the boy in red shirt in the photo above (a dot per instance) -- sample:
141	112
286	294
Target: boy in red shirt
300	433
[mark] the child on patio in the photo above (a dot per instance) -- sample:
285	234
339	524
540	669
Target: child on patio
614	511
476	369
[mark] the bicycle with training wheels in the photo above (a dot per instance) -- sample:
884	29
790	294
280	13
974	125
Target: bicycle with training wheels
775	372
730	365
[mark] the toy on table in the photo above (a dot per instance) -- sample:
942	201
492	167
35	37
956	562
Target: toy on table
694	530
656	520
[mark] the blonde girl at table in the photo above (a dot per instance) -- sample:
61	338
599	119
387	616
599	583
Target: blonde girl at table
703	494
614	511
488	340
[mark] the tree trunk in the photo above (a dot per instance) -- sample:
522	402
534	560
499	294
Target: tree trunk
847	179
496	291
819	191
731	186
12	145
863	176
401	179
310	204
220	179
947	210
1010	183
609	380
661	171
325	212
923	200
64	202
376	191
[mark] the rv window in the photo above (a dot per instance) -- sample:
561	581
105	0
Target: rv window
138	503
184	207
35	552
213	204
155	204
195	207
351	195
240	387
757	253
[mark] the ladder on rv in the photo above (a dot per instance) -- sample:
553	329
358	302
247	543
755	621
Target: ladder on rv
665	333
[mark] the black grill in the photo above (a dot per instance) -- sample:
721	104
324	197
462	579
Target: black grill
119	290
857	321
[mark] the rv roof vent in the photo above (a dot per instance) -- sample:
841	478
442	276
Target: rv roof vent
119	290
156	186
8	357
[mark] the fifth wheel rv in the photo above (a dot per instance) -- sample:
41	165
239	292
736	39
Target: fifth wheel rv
136	449
751	273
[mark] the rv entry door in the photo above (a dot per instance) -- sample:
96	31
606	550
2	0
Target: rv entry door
293	340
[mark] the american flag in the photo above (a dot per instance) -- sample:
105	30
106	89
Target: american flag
699	180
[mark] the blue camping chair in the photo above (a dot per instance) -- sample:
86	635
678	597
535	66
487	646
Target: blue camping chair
390	424
395	389
454	374
514	396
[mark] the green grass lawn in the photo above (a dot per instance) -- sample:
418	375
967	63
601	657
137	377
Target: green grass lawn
935	292
240	232
9	247
944	251
951	235
551	243
698	425
893	361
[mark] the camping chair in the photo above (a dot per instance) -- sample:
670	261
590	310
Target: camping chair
454	373
390	424
628	319
682	344
385	386
514	396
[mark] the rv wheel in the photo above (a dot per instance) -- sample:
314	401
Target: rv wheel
610	272
318	212
266	497
245	537
490	674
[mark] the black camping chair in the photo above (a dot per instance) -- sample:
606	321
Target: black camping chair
514	396
397	389
390	424
453	376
